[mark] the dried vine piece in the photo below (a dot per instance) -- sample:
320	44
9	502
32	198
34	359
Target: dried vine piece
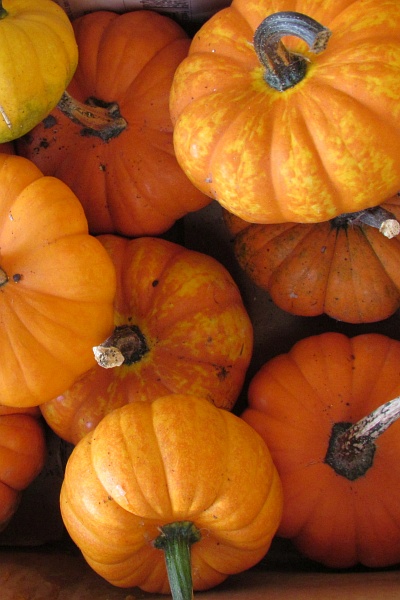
283	68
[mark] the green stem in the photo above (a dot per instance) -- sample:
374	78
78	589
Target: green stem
176	540
283	69
3	12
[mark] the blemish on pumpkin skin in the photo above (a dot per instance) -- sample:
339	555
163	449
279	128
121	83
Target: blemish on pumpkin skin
49	121
222	373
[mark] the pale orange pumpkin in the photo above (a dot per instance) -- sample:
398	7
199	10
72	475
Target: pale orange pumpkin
57	286
177	477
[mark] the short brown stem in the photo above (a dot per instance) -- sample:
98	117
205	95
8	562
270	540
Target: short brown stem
97	118
126	345
283	68
352	447
3	277
377	217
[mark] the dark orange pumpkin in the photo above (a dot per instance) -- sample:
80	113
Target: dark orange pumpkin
22	456
324	410
344	268
110	138
181	327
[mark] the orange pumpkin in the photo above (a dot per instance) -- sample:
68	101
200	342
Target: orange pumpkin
110	138
294	131
320	409
22	456
345	268
181	326
57	286
177	476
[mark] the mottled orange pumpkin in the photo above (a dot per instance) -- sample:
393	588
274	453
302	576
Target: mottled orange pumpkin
181	326
288	110
346	268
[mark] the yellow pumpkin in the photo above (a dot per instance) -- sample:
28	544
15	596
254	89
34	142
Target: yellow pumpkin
39	56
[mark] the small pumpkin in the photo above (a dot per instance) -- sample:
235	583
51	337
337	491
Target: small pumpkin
287	111
328	411
110	137
346	268
39	55
177	475
57	286
180	326
22	456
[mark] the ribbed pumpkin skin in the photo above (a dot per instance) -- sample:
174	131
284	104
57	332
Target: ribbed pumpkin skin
302	155
177	459
294	400
197	331
57	286
22	456
39	56
129	184
349	273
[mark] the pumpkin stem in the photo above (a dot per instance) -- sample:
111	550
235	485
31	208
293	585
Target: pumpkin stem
3	277
126	345
175	540
283	68
377	217
3	12
351	447
98	118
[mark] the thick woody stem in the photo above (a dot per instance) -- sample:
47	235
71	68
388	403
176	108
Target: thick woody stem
351	447
126	345
283	68
373	425
377	217
97	118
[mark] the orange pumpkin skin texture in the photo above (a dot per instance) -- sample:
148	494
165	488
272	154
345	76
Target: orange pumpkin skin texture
178	458
303	154
57	286
128	180
349	272
197	337
294	401
22	456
